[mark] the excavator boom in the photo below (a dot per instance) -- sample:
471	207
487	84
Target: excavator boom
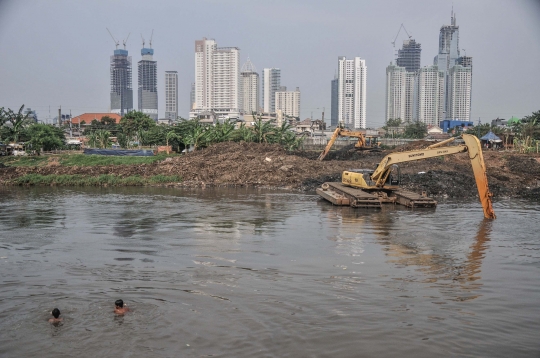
341	132
480	175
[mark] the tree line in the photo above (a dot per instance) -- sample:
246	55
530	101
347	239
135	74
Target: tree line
136	130
528	128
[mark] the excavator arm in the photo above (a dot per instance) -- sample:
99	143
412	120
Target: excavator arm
472	147
341	132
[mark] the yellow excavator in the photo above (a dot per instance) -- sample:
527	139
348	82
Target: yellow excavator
371	188
364	142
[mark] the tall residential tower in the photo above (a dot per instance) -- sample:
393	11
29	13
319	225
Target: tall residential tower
334	104
352	92
121	82
249	89
171	95
271	83
147	79
217	77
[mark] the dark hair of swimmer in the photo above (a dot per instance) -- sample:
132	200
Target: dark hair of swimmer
119	303
56	312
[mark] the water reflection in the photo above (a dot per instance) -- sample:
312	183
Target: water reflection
440	262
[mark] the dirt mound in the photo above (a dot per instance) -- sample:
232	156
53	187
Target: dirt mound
524	165
268	165
419	144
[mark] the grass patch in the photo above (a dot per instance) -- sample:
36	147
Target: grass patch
93	160
101	180
23	161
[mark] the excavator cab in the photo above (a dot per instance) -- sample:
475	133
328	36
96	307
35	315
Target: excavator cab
394	178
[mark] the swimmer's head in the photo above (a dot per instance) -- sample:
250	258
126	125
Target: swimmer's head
56	313
119	303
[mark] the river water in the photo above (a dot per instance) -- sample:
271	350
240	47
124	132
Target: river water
261	273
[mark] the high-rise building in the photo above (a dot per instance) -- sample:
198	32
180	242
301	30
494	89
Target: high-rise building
352	92
409	55
217	77
400	94
334	104
148	94
192	97
449	56
429	89
121	82
270	83
396	83
288	102
171	95
459	88
249	88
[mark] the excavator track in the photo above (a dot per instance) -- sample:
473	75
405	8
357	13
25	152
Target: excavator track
339	194
413	200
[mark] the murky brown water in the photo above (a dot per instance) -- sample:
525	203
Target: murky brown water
249	273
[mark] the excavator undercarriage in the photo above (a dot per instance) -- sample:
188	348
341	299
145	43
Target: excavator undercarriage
364	188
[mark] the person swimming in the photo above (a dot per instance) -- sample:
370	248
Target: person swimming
56	316
120	307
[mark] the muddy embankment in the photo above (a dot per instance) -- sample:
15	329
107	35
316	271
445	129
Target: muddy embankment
249	164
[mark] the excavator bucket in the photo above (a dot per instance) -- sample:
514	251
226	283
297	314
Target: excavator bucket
479	169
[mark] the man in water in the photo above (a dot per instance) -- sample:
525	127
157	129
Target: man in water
56	316
120	308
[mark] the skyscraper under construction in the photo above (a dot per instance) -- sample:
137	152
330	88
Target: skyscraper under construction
148	97
121	85
409	55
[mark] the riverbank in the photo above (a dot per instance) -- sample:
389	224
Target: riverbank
264	165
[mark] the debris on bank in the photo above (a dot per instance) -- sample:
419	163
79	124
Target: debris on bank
269	165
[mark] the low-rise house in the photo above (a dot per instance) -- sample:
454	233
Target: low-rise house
87	118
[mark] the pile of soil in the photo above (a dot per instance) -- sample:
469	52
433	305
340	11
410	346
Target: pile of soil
267	165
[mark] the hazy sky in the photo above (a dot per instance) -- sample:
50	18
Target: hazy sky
56	52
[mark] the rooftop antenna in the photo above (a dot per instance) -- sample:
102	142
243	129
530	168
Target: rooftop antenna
142	40
125	41
116	42
152	35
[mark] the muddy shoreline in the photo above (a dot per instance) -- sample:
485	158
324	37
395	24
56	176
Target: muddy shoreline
264	165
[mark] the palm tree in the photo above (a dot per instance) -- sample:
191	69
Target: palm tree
263	130
18	121
195	136
170	135
93	140
103	138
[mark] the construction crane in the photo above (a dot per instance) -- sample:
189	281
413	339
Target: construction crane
125	41
395	39
116	42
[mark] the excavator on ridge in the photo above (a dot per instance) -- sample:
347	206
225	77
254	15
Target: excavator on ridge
371	188
364	142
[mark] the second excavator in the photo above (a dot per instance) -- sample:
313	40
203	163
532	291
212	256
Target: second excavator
371	188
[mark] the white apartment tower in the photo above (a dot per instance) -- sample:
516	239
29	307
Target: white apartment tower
430	95
249	89
396	83
217	75
352	92
288	102
459	93
171	95
271	83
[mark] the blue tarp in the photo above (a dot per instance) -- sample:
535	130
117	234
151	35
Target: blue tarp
121	152
491	137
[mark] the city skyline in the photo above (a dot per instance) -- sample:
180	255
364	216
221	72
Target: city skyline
63	75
